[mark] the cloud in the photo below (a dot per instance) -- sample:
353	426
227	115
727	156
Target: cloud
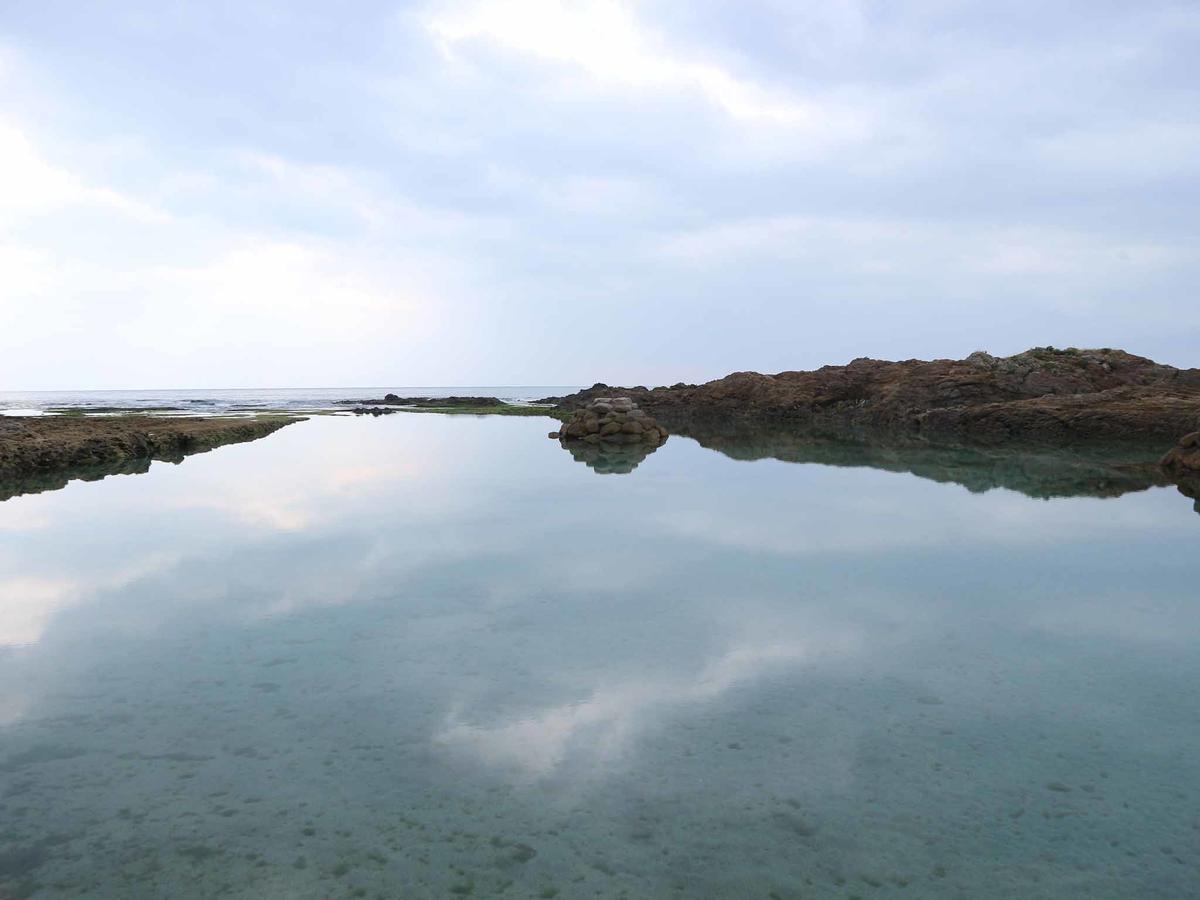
600	726
1142	151
300	292
605	40
326	185
896	246
475	183
28	602
78	259
31	186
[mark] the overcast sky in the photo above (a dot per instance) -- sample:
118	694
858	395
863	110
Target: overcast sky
553	192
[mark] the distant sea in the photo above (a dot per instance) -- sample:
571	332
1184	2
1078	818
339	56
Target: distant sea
209	402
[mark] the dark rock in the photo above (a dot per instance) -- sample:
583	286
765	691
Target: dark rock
45	452
1043	395
611	435
428	402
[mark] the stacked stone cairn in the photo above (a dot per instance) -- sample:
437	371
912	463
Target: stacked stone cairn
612	420
610	435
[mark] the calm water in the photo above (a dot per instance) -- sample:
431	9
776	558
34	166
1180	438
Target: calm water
426	656
212	401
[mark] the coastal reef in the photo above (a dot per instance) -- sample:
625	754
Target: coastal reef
429	402
613	421
479	406
1045	395
44	452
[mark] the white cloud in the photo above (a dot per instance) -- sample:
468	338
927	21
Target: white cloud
244	290
584	195
1139	150
174	289
331	186
605	39
29	602
896	245
299	290
29	185
601	725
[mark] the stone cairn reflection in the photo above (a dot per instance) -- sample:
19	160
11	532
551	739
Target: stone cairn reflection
611	435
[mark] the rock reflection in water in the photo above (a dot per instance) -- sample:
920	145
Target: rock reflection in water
37	482
609	459
1035	471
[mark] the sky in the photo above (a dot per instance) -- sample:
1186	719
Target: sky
275	194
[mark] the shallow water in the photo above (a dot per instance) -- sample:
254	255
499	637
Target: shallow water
430	656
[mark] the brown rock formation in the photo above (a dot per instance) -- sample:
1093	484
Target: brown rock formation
437	402
613	422
1043	396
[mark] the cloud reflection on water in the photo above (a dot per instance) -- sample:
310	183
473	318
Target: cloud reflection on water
601	726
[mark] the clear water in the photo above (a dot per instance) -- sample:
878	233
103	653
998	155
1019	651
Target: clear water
426	656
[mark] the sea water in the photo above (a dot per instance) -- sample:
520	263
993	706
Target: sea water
246	400
427	656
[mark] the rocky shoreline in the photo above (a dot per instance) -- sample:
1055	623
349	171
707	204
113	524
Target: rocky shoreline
1115	413
428	402
478	406
39	453
1111	411
1044	395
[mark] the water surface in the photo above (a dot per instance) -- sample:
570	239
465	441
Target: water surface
220	401
430	656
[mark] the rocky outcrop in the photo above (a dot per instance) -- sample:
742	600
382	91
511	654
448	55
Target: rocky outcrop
45	452
615	421
1044	396
611	435
438	402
